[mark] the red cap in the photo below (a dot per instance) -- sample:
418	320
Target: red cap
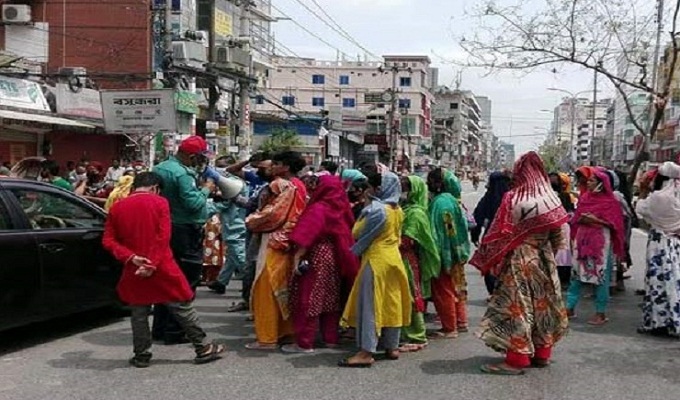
194	145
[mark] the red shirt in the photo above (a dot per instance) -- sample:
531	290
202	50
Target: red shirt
140	225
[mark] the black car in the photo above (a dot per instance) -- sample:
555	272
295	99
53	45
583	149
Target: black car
52	262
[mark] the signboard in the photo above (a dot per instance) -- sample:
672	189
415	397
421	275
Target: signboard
371	148
333	143
85	103
186	101
22	94
374	98
224	23
139	111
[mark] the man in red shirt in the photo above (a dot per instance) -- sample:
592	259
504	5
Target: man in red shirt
137	233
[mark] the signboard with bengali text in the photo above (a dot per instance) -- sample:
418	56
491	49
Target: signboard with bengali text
139	111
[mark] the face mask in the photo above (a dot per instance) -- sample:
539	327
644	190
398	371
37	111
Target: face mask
82	177
222	171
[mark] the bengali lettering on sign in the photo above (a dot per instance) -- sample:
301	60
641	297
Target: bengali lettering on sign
223	24
139	111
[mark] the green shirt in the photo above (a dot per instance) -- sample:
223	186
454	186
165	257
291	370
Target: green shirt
62	183
188	202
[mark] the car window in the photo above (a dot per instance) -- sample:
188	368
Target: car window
47	210
5	220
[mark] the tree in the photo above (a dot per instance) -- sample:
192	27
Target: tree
280	140
593	34
555	156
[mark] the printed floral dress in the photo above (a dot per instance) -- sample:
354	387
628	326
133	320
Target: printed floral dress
661	304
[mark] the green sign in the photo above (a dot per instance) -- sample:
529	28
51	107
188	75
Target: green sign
186	102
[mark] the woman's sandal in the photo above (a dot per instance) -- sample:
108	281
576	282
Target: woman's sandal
411	347
345	363
501	369
598	321
237	307
437	335
540	363
209	352
261	347
388	355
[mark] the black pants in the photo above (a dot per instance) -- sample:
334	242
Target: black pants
490	283
187	249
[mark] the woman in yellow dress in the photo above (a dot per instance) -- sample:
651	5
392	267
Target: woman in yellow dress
380	301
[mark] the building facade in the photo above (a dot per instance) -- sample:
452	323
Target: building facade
460	110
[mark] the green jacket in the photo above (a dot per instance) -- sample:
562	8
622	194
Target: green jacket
62	183
188	202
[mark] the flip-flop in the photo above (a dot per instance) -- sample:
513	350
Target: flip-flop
261	347
599	322
386	356
439	335
344	363
500	369
237	307
210	353
411	347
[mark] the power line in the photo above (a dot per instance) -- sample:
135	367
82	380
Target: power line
337	28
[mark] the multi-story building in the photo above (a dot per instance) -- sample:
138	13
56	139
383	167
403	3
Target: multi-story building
592	126
506	155
462	109
487	134
666	144
356	98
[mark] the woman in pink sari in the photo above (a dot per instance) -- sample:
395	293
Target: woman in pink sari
597	234
324	264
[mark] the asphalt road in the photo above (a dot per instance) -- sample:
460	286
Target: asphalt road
86	358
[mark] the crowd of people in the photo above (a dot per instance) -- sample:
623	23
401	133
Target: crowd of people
360	253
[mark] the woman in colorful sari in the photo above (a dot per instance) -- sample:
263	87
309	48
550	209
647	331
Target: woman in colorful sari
561	184
499	184
323	237
380	302
525	316
450	231
421	258
661	210
597	234
280	210
582	175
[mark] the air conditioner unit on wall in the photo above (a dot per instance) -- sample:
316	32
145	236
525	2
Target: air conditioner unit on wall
16	13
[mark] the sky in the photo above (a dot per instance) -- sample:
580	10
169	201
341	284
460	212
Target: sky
430	27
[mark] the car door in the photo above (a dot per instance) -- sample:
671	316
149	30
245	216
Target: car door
78	274
20	274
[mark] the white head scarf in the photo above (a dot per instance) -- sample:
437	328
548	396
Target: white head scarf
662	208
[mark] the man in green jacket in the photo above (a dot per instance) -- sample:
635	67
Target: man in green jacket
187	194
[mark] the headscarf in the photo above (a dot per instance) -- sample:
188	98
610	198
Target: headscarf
352	175
328	215
530	207
647	180
586	172
417	227
566	197
121	191
449	225
487	207
661	209
452	184
390	189
604	205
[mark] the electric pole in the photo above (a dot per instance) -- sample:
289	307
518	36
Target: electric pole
390	120
244	84
594	116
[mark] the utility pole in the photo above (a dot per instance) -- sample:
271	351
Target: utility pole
244	84
168	28
657	49
390	122
213	93
594	116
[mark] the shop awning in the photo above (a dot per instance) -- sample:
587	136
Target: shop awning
45	119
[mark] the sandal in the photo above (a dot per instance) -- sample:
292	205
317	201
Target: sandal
261	346
443	335
598	320
540	363
463	328
388	355
501	369
237	307
209	352
344	363
411	347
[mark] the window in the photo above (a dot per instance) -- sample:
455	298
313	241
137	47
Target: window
259	99
288	100
47	210
405	81
404	103
318	101
344	80
5	222
348	103
598	126
453	106
408	126
318	79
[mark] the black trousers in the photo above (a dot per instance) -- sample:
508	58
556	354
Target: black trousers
187	249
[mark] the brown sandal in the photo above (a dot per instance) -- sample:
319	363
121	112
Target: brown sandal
209	352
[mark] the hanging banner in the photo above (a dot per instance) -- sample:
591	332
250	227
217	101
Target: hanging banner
21	93
139	111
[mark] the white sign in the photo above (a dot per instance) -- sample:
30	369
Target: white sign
333	145
22	94
139	111
371	148
85	103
